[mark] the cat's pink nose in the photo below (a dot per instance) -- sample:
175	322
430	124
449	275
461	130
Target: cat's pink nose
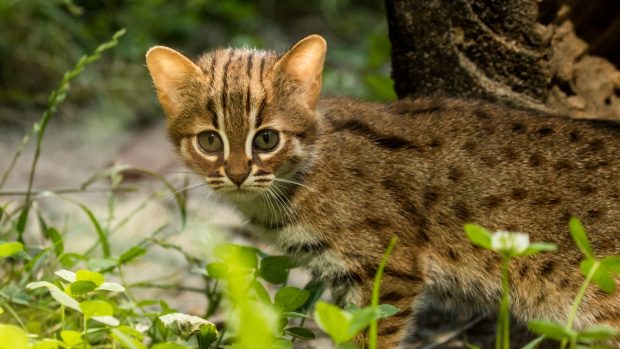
237	170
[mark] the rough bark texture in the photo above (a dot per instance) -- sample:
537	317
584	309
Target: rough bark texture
524	53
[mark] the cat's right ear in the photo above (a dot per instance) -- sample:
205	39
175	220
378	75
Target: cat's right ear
170	71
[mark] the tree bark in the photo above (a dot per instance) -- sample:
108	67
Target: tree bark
524	53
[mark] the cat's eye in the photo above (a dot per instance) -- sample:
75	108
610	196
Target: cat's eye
266	140
210	141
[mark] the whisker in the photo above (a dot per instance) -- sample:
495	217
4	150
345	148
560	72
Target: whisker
276	179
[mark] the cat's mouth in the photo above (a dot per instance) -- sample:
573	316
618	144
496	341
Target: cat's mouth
243	192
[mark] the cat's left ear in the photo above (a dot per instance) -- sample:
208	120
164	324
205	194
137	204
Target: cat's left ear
303	65
170	71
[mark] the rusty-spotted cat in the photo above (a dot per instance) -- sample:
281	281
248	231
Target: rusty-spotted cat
330	181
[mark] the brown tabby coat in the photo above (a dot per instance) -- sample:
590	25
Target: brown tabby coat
348	175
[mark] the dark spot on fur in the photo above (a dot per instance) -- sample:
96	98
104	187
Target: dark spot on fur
430	196
596	145
482	114
389	330
470	146
544	131
489	130
565	217
375	224
424	235
563	165
435	143
453	255
596	164
392	297
402	275
547	267
554	201
564	282
574	136
518	128
510	153
490	161
313	248
385	141
454	174
594	214
518	194
461	211
540	299
587	190
536	160
493	201
523	270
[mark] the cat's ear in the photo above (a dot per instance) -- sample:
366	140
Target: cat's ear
170	71
303	65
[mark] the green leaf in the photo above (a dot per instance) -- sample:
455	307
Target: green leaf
295	315
66	275
217	270
333	321
472	346
242	256
290	298
131	254
81	287
282	343
602	278
111	286
10	248
612	263
46	344
13	337
71	338
275	269
387	310
261	292
362	319
96	308
478	235
22	219
550	330
598	332
534	343
169	345
57	294
125	340
579	235
92	276
316	288
57	241
101	234
107	320
538	247
300	332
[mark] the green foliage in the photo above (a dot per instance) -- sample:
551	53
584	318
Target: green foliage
600	272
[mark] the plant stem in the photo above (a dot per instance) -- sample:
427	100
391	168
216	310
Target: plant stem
575	307
372	335
67	191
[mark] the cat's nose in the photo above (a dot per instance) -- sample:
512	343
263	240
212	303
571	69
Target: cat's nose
237	170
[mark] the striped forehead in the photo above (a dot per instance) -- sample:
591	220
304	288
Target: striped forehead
237	89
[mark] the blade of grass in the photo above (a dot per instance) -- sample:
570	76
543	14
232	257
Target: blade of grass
372	335
55	98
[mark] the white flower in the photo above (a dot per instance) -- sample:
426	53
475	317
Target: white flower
184	325
511	243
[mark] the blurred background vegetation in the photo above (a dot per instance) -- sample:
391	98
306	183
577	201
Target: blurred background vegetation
41	39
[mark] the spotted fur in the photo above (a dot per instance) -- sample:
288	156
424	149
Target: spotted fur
348	175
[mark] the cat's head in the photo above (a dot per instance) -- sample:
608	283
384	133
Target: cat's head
244	119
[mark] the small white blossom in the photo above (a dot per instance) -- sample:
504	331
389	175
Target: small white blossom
511	243
184	325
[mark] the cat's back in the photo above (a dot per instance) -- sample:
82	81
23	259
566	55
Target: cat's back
458	161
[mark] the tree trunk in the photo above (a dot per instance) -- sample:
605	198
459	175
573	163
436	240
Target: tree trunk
524	53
